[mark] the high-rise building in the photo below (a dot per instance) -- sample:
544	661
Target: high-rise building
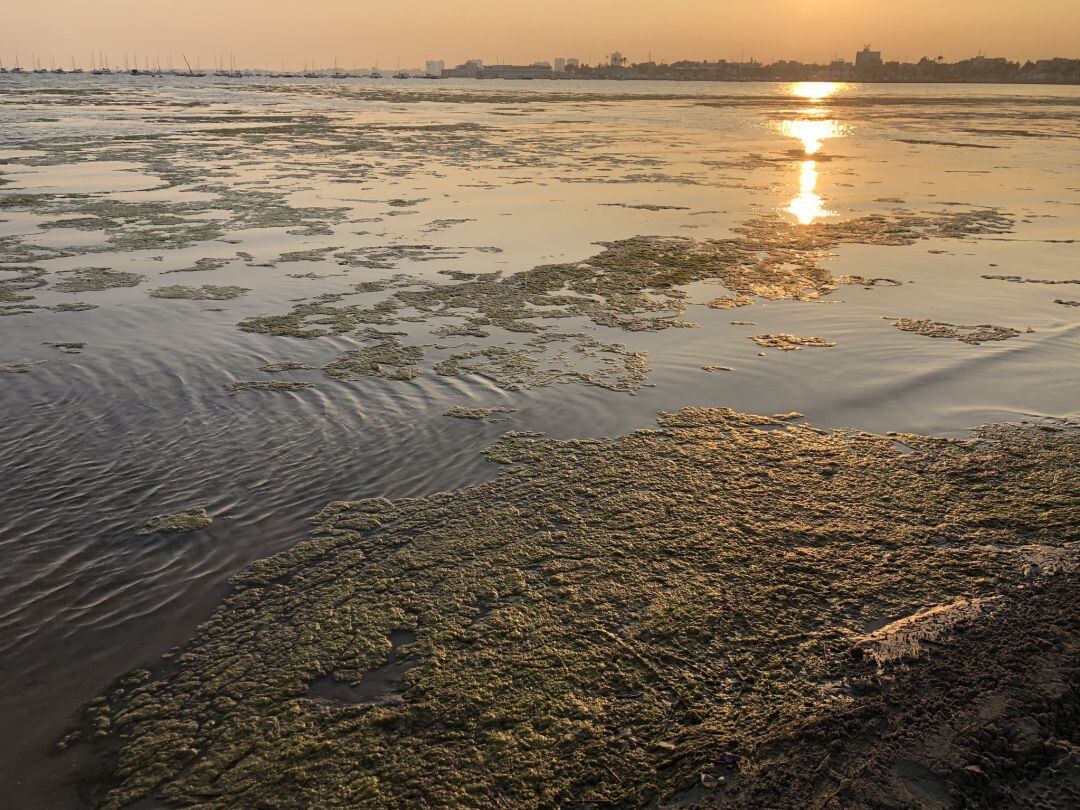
435	67
867	58
618	60
560	64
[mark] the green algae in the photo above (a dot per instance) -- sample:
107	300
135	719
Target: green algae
386	358
244	386
730	302
21	367
202	265
311	255
964	333
284	365
96	279
67	348
597	626
475	414
1022	280
189	520
790	343
207	292
549	359
634	284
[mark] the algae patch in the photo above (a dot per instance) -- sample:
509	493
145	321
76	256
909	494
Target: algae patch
243	386
790	343
600	625
964	333
70	347
189	520
475	414
20	367
284	365
207	292
96	279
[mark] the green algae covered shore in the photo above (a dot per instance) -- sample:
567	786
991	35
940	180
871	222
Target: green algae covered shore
673	616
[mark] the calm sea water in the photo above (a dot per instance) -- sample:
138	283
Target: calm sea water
465	176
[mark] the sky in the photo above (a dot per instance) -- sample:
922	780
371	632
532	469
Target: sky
272	33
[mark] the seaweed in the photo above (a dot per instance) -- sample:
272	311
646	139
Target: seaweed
284	365
475	414
243	386
67	348
21	367
96	279
189	520
790	343
207	292
600	625
964	333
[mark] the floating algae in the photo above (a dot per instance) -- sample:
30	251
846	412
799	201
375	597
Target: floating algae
633	283
243	386
207	292
284	365
311	255
1022	280
67	348
964	333
647	207
1065	303
96	279
189	520
386	358
202	265
476	414
13	289
790	343
598	626
729	302
21	367
714	369
553	358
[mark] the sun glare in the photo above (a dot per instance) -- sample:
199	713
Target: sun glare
812	133
815	91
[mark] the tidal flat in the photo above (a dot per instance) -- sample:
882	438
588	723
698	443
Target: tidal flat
613	579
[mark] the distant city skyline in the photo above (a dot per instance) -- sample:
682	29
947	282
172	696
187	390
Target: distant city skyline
269	34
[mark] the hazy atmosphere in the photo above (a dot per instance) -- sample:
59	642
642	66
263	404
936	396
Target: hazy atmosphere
263	33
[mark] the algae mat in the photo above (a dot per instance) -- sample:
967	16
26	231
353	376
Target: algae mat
599	626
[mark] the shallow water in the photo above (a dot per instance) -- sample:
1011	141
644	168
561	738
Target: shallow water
474	177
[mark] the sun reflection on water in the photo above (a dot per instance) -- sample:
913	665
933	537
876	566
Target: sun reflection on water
812	129
812	133
815	91
807	205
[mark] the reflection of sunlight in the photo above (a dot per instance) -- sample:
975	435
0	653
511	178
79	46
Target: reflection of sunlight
812	133
812	129
814	91
807	205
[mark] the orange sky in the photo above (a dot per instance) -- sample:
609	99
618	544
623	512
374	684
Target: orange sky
268	32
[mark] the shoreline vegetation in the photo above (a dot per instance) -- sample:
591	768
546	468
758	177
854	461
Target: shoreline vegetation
727	610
